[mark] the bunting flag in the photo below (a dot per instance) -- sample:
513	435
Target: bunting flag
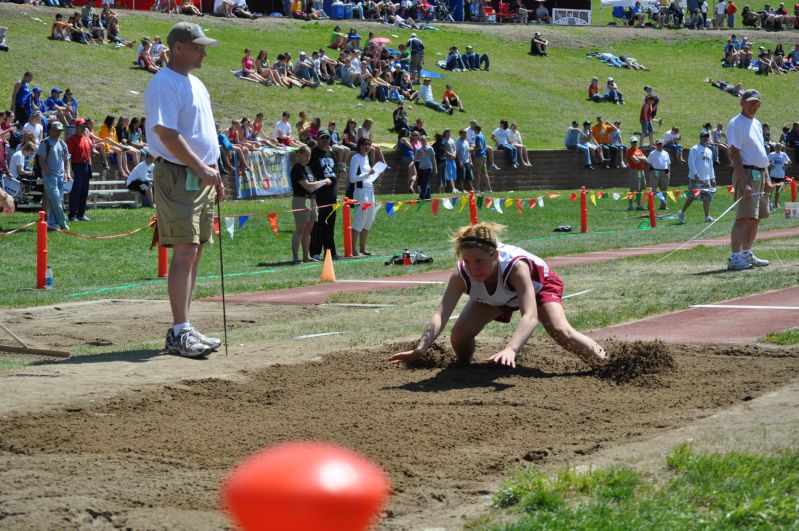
531	203
697	192
229	224
479	201
463	201
489	202
593	198
508	202
677	193
332	211
661	197
519	207
216	225
616	196
731	189
600	195
573	197
447	203
436	202
366	206
541	201
390	209
498	205
671	195
272	217
242	221
552	195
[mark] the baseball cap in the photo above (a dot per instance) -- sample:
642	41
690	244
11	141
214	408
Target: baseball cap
647	87
750	95
413	35
37	88
633	139
537	34
189	32
659	141
704	134
610	79
80	121
57	125
55	89
469	47
323	134
586	123
617	122
302	53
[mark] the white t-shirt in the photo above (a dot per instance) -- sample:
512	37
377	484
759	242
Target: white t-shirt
514	138
426	92
747	136
180	103
671	138
156	49
700	164
721	8
142	172
501	135
778	161
470	134
17	159
659	160
282	129
36	129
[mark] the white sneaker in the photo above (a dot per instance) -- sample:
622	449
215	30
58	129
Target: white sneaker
709	219
211	342
186	344
754	260
681	216
738	263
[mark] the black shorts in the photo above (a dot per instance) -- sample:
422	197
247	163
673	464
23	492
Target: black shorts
140	186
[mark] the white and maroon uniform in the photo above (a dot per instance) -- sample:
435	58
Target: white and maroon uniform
547	284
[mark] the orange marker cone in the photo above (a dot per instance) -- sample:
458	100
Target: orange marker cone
328	274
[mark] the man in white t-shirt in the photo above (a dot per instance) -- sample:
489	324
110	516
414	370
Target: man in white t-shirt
500	138
659	163
282	132
701	177
747	151
181	135
141	178
721	14
777	161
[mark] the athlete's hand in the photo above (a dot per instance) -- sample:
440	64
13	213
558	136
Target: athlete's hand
504	357
406	357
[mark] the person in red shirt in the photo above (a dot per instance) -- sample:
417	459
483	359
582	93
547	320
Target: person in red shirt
636	162
80	150
647	127
593	91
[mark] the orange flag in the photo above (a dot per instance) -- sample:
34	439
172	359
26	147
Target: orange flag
436	203
572	197
488	202
519	206
272	217
216	225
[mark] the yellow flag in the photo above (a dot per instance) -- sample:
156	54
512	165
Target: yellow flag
335	207
593	198
463	201
508	202
671	195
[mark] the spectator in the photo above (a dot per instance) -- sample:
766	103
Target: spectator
542	14
500	136
721	14
365	131
777	160
37	105
361	177
3	44
464	162
601	132
718	142
282	132
425	157
792	138
612	92
145	60
17	167
637	15
615	142
426	95
417	56
671	142
538	45
479	161
659	162
60	30
187	7
21	98
515	139
636	162
474	60
645	117
454	60
323	166
407	157
36	127
303	203
80	152
701	177
731	10
573	140
53	158
112	29
341	151
593	91
451	100
114	149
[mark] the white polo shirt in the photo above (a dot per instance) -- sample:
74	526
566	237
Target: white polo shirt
746	135
501	136
659	160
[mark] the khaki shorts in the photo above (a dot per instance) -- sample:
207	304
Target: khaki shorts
658	180
183	216
479	169
752	207
305	209
637	181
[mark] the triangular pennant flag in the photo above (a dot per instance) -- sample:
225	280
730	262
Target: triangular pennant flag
519	206
531	202
677	193
366	206
697	192
447	203
593	198
661	196
216	225
540	201
436	202
489	202
508	202
272	217
573	197
463	202
498	205
553	195
229	224
242	221
390	209
600	195
399	204
616	196
671	195
335	207
479	202
730	189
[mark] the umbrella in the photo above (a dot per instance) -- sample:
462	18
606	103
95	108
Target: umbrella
380	40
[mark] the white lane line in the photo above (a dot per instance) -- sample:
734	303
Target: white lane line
392	281
745	307
309	336
358	305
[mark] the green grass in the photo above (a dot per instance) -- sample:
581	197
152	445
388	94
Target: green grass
786	337
542	95
699	491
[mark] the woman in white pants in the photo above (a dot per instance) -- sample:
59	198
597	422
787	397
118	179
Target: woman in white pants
360	174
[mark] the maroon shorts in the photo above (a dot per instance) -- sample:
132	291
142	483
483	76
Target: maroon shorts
552	291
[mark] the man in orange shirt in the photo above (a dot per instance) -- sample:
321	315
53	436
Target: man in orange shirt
636	161
602	131
451	100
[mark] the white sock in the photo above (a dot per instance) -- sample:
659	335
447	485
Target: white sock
178	328
746	252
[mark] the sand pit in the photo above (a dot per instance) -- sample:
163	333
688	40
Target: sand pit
153	457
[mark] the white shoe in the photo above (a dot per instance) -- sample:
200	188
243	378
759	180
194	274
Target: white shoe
738	263
754	260
186	344
709	219
681	216
211	342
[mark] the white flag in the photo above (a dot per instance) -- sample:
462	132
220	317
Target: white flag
541	201
498	205
229	224
616	196
447	203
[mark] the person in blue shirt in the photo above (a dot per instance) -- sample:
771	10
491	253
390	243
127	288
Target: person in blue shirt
21	98
54	102
36	101
227	151
479	161
454	60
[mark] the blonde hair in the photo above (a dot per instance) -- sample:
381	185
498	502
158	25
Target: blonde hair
483	236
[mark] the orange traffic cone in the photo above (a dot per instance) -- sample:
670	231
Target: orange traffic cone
328	275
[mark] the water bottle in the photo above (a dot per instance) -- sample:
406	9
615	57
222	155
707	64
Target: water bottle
48	278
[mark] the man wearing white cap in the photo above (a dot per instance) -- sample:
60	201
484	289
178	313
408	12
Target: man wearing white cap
538	45
181	134
474	60
750	177
416	46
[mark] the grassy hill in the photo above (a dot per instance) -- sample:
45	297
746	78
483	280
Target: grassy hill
541	94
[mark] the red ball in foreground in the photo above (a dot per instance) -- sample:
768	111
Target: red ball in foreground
305	486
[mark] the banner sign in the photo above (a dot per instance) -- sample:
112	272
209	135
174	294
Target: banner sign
268	175
571	17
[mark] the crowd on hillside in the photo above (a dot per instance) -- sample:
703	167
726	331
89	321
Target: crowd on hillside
739	53
698	14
